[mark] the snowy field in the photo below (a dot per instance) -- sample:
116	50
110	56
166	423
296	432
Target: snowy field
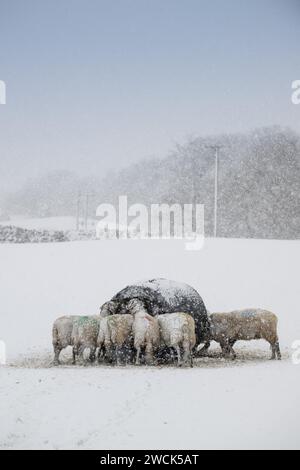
250	403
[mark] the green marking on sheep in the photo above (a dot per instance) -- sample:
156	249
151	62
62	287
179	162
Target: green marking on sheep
82	320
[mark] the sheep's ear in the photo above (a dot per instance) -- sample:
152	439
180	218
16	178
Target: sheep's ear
130	304
112	306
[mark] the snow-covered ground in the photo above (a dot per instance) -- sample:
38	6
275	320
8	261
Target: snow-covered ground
252	403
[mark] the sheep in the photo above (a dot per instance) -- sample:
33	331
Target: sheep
245	325
84	336
145	331
115	331
178	330
62	335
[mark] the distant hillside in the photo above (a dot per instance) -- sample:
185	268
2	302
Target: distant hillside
259	193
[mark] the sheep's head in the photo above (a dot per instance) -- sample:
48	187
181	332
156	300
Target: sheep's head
135	306
109	308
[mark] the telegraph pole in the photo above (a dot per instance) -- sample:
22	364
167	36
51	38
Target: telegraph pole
216	149
78	211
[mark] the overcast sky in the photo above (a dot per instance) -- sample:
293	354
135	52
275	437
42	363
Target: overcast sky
97	84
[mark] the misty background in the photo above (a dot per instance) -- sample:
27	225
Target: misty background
122	97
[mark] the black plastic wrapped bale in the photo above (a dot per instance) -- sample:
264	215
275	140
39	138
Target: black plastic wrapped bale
164	296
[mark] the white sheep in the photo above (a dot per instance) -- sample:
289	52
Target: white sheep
62	335
115	332
84	336
177	330
246	325
145	331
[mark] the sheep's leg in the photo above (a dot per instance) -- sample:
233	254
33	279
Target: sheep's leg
191	358
92	355
172	355
80	353
118	355
278	352
273	349
231	343
108	351
100	353
149	354
225	350
234	356
57	351
138	352
186	352
74	352
223	347
178	352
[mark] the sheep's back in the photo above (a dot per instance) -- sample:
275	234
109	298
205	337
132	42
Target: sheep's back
62	330
120	328
244	324
86	330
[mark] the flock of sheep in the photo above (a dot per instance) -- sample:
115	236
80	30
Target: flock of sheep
138	336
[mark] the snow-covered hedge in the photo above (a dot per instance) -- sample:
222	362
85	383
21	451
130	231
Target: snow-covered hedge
10	234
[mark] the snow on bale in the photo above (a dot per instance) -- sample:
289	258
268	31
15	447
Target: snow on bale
164	296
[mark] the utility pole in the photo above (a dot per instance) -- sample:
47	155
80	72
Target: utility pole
78	210
86	211
194	190
216	149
